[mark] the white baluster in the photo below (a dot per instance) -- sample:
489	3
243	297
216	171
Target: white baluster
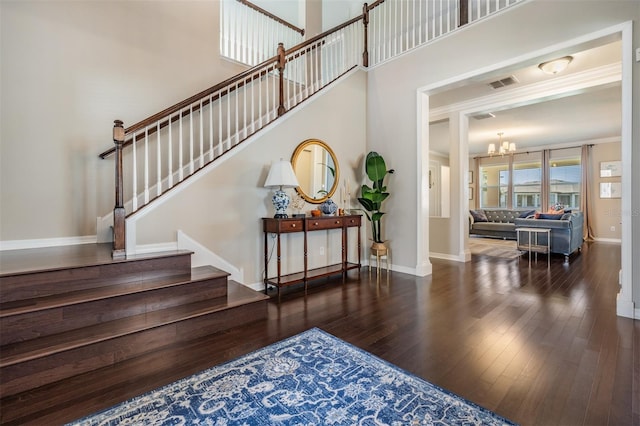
211	154
134	177
159	162
170	153
146	165
237	95
220	136
200	119
227	99
180	148
191	139
261	80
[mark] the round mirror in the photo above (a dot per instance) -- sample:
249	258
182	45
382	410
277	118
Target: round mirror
316	168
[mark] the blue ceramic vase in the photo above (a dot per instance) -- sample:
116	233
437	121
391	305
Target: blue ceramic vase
329	207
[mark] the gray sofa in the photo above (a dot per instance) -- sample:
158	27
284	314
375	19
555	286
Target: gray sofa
566	232
500	222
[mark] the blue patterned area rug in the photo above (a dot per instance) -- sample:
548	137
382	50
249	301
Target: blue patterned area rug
312	378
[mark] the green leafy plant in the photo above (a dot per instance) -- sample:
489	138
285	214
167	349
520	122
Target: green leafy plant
371	198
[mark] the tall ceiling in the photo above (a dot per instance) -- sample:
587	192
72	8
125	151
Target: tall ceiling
581	104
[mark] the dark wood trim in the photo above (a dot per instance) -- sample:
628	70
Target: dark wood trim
375	4
247	76
365	21
312	40
272	16
119	214
241	79
281	64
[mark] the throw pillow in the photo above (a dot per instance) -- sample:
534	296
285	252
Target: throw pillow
526	214
554	211
478	216
549	216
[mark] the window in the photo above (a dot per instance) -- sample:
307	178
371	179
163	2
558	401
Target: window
494	185
565	176
527	180
517	182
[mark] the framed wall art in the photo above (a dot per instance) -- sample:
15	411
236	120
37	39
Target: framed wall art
610	189
610	168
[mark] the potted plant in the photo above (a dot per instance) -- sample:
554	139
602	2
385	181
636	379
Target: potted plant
371	198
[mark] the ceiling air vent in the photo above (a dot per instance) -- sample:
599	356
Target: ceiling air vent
483	116
504	82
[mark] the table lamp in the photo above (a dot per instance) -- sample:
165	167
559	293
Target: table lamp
280	176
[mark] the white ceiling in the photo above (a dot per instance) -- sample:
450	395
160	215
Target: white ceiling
581	104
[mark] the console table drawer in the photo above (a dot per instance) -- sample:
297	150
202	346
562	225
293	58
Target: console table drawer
325	223
282	226
353	221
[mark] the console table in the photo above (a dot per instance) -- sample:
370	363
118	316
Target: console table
306	225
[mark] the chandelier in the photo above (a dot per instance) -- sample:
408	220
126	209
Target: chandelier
504	147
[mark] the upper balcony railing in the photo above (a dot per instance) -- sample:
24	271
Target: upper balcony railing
250	34
158	153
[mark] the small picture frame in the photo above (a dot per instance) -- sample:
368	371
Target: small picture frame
471	177
610	168
470	193
610	190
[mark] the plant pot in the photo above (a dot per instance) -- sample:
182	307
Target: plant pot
378	249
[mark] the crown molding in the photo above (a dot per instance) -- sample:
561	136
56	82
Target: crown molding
535	92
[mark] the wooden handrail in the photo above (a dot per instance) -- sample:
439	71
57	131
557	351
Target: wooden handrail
244	75
248	75
142	130
313	39
272	16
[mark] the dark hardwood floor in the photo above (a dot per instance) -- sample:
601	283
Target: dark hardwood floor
538	346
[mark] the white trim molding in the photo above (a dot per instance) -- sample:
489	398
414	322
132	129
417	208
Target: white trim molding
46	242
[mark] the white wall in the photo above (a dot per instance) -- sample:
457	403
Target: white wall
490	44
68	69
335	12
222	210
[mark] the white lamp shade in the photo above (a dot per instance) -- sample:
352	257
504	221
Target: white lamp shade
492	148
281	175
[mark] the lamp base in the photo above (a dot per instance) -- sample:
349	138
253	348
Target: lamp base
280	203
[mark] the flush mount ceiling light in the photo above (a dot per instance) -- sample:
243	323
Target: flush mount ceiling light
555	66
504	146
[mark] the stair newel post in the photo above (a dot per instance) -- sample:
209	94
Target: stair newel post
119	215
464	12
281	64
365	21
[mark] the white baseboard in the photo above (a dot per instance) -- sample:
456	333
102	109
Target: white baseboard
46	242
155	248
446	256
203	256
259	286
608	240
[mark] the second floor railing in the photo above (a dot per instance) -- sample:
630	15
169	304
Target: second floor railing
158	153
250	34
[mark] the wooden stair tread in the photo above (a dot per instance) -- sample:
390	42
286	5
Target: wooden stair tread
15	353
108	291
28	261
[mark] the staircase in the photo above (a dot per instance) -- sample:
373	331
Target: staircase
79	310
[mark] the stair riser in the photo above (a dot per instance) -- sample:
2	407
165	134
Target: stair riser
28	375
41	284
28	326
